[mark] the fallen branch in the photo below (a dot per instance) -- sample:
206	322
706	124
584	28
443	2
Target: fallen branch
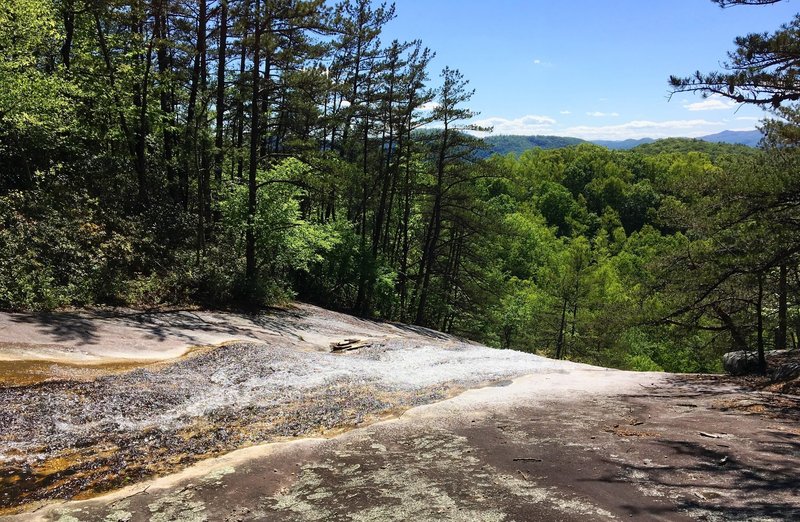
347	345
713	435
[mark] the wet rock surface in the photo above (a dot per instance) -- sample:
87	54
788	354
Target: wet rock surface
607	446
63	439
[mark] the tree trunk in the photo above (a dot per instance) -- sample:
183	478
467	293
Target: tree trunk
68	15
198	141
434	229
142	125
164	68
361	304
104	50
190	136
240	101
255	138
562	326
429	253
762	362
382	209
739	340
573	326
405	239
781	337
220	105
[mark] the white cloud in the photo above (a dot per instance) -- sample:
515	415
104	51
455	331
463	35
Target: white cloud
542	63
644	129
344	104
598	114
715	102
428	106
565	112
545	125
526	125
748	118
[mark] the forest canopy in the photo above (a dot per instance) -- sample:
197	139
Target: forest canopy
242	153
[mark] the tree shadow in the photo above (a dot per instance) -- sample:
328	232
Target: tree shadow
91	327
727	488
720	478
422	331
62	327
158	326
284	322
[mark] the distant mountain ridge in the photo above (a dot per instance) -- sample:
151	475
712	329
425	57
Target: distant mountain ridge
623	144
515	144
749	138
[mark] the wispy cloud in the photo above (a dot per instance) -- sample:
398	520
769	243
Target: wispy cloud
644	129
542	63
748	118
533	124
526	125
565	112
715	102
598	114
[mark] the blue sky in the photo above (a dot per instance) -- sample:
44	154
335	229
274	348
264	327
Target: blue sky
594	69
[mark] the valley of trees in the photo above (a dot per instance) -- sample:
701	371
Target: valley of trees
240	153
518	144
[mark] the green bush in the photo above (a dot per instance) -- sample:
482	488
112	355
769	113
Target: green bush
51	251
643	363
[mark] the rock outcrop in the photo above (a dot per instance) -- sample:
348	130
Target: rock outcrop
744	363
